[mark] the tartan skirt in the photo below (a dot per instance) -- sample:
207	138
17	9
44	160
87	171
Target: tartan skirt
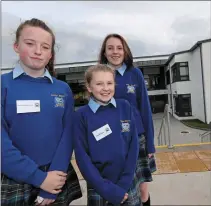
14	193
94	199
145	165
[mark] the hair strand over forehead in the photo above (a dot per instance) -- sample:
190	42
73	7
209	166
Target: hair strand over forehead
40	24
97	68
128	57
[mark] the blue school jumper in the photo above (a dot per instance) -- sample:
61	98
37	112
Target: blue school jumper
106	147
33	139
130	85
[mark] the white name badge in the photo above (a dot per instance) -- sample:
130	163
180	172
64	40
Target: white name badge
102	132
27	106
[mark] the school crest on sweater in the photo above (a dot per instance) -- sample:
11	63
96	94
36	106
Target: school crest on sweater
131	88
59	101
125	125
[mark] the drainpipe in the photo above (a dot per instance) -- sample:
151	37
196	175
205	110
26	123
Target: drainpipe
171	95
202	76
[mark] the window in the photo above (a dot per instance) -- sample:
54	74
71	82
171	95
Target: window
180	72
167	77
182	103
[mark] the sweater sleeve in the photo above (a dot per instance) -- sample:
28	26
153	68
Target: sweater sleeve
62	156
145	112
109	191
14	164
127	175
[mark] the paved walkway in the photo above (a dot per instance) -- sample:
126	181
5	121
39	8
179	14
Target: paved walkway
183	177
176	128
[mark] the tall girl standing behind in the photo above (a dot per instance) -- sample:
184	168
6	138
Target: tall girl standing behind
130	85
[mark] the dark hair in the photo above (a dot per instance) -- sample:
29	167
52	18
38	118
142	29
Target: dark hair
39	23
128	57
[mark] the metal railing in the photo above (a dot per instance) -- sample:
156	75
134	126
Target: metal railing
206	136
164	135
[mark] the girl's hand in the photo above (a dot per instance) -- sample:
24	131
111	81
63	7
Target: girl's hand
150	155
54	182
125	198
46	202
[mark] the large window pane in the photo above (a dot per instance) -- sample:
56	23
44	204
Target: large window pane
184	71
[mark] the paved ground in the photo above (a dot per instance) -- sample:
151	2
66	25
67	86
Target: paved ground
183	177
176	128
174	189
181	189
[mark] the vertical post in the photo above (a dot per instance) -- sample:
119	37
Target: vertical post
164	131
170	146
159	140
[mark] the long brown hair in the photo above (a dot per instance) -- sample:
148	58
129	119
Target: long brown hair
128	57
39	23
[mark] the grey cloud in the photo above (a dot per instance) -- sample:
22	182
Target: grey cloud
187	31
82	47
72	44
189	26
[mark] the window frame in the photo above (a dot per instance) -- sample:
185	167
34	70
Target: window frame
176	74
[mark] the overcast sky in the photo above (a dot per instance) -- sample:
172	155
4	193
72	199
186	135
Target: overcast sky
150	28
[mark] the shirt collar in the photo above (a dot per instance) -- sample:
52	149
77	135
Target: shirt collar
18	70
122	69
94	106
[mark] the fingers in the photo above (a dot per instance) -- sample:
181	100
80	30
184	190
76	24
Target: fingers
60	173
56	191
150	155
62	179
59	187
47	202
125	198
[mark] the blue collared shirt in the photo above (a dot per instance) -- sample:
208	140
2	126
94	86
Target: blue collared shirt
18	70
122	69
94	106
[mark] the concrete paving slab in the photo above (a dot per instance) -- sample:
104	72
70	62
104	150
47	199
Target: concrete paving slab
165	163
189	162
173	189
181	189
177	127
205	157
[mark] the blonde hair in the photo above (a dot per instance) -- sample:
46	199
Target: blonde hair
96	68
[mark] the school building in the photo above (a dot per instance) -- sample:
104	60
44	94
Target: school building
181	79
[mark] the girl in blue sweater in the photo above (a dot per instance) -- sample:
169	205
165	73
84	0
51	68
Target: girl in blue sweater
36	118
106	142
130	85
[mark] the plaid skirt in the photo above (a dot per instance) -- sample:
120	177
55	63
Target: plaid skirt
145	166
14	193
94	199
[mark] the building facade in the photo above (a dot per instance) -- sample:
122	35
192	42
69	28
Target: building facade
182	79
188	76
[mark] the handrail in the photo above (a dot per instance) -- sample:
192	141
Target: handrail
204	135
165	128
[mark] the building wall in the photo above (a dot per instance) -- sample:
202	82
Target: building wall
196	85
6	71
184	57
178	87
206	60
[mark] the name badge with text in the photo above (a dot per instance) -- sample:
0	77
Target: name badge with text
27	106
102	132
